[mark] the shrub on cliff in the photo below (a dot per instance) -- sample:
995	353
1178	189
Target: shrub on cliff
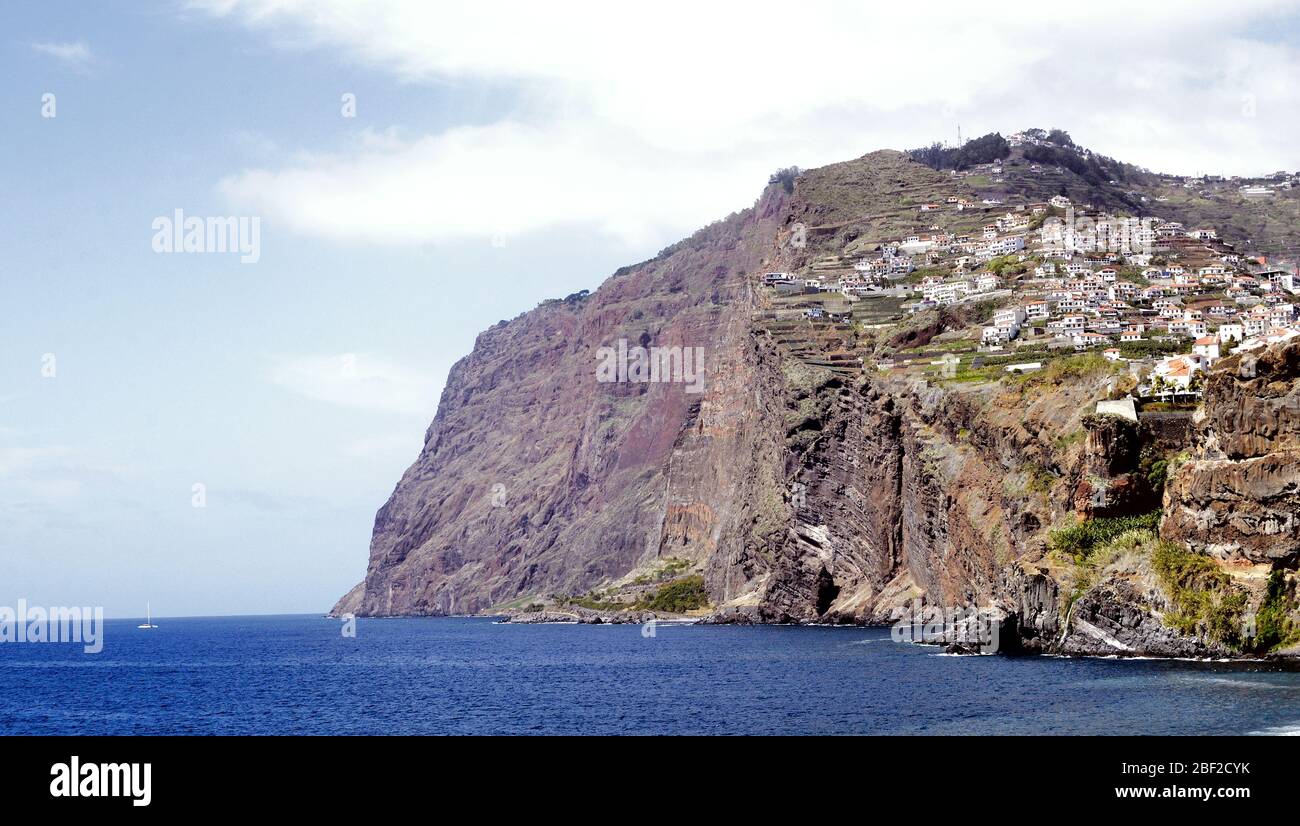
785	177
1071	368
671	568
1273	625
678	597
1202	594
1082	538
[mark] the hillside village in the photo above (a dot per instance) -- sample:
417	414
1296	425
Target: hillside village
1042	280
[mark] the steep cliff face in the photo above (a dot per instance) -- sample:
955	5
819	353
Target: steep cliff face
538	477
909	491
1238	496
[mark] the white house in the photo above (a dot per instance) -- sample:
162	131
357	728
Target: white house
1036	310
1276	335
1207	347
994	336
1188	327
1071	325
1009	318
1177	371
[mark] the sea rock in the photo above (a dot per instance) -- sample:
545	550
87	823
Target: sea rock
538	617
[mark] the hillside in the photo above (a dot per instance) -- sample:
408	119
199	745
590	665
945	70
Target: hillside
1266	225
858	443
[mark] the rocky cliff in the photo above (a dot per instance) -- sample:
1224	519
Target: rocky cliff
538	478
1238	496
798	486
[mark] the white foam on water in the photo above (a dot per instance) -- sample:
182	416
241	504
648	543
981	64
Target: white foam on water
1289	730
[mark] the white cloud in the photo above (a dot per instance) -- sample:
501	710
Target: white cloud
75	55
358	381
48	473
647	120
506	178
17	459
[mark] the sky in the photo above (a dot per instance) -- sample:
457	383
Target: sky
214	437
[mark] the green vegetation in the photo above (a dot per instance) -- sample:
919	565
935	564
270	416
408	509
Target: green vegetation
1168	407
1149	349
1203	599
1157	472
1273	625
785	177
677	597
571	299
1156	467
1032	478
981	150
1132	543
670	568
1007	265
962	345
1067	440
1097	170
594	601
1068	369
1040	478
981	312
1080	539
1202	594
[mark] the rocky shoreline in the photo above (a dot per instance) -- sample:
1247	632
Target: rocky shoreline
956	645
579	616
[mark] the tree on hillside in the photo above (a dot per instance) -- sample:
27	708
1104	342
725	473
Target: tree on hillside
984	149
785	177
1060	137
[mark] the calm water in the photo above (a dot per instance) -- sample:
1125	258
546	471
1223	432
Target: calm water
282	675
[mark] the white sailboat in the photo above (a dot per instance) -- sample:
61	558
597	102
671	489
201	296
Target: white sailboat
148	623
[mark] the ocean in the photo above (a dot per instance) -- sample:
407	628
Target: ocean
300	675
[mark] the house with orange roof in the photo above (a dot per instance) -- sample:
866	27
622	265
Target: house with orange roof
1208	347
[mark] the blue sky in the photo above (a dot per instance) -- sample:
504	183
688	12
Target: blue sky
500	155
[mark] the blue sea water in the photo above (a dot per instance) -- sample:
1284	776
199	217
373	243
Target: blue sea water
299	675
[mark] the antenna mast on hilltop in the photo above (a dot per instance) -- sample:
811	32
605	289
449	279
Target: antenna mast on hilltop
959	136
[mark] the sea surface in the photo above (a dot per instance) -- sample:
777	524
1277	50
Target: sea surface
300	675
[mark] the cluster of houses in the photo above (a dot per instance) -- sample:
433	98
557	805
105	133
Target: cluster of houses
1180	374
1098	280
1090	281
1095	308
